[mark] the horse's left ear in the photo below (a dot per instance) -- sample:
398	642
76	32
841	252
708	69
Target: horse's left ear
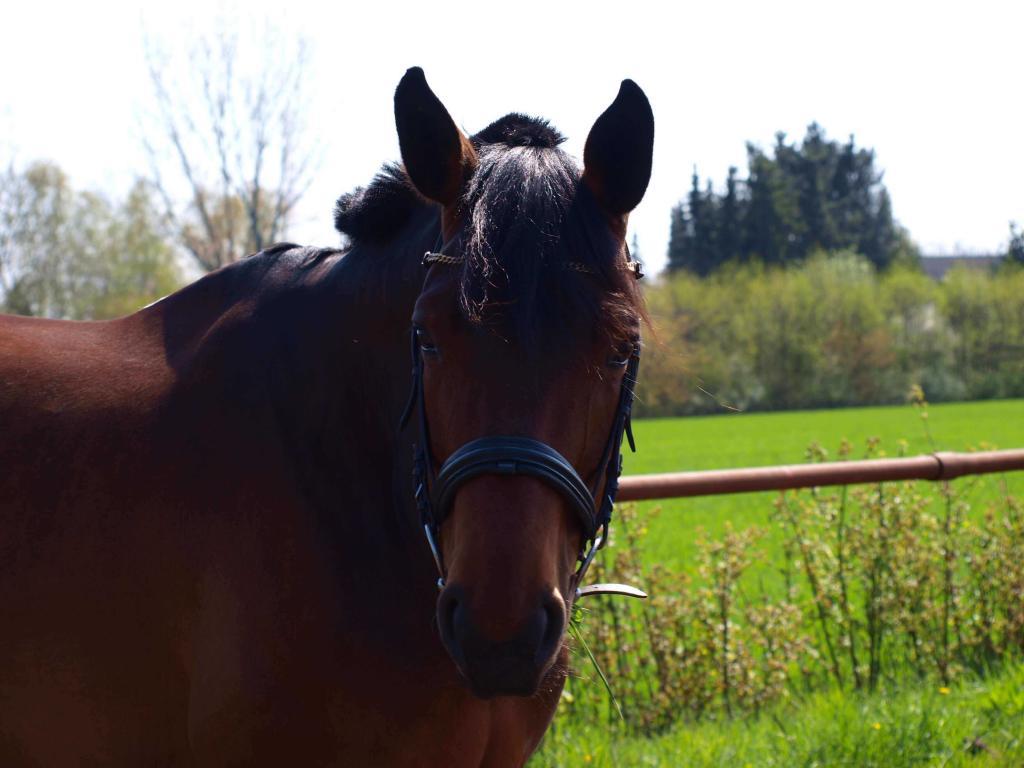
437	155
617	156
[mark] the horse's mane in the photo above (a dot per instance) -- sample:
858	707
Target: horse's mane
526	215
376	212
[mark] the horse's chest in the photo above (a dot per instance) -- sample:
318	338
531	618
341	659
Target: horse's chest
358	707
446	727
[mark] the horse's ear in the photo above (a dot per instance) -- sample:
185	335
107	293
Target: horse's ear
437	156
618	152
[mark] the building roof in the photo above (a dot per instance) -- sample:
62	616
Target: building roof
936	267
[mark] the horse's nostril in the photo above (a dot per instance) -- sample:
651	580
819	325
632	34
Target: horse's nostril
553	611
512	665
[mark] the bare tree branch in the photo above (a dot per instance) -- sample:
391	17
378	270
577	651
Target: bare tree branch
220	115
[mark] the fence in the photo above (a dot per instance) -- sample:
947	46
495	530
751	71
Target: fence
843	591
934	466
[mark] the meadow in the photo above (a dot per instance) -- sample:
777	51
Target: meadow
756	439
940	699
979	723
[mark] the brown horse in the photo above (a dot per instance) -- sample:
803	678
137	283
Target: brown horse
210	549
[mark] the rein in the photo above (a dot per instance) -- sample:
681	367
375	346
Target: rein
514	455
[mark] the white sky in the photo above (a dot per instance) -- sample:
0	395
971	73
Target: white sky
934	87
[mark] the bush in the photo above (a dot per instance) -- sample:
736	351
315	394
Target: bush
832	332
879	584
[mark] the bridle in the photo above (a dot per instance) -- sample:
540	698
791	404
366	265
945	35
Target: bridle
515	455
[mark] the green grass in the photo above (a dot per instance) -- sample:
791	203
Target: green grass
747	440
977	723
908	726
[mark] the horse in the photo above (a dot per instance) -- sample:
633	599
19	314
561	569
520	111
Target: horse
211	551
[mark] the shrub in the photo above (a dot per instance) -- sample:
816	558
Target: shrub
880	583
831	332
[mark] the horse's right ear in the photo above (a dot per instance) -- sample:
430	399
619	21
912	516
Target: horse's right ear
438	157
618	153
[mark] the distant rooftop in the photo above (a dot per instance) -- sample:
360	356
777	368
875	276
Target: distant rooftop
936	267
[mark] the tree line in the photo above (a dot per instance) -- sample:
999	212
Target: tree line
79	255
796	288
801	198
832	331
229	161
880	584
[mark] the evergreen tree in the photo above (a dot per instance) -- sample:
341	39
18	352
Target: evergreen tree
881	238
765	236
813	167
814	195
703	214
729	222
693	231
678	239
1015	251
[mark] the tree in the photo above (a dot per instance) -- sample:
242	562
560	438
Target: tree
678	239
701	213
817	195
228	153
1015	251
75	255
729	221
770	216
692	239
35	208
136	263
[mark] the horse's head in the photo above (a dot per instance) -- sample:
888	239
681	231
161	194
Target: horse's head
525	339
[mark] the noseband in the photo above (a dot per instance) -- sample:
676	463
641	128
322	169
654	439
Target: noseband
523	456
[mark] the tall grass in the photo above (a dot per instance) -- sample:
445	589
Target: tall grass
878	590
874	625
977	723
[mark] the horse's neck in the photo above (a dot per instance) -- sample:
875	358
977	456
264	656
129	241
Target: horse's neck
355	465
319	349
347	392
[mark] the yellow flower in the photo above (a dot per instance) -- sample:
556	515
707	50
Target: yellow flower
877	726
587	758
944	691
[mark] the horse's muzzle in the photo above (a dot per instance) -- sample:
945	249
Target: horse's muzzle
511	666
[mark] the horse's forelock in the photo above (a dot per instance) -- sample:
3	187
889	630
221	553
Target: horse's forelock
526	217
518	130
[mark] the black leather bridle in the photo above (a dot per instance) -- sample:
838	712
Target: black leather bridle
515	455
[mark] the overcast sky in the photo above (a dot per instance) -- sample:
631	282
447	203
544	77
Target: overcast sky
935	88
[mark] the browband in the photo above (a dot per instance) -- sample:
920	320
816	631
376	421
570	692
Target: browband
576	266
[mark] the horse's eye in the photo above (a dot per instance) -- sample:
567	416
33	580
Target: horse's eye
426	344
620	357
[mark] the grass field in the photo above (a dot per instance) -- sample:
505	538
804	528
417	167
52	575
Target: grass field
747	440
978	722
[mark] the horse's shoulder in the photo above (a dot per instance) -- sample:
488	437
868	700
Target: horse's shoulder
62	366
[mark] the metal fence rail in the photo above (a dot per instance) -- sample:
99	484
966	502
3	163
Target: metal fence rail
934	466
